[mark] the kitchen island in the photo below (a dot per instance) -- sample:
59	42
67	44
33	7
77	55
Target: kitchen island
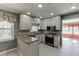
28	46
28	42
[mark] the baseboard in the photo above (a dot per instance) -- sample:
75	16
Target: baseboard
3	52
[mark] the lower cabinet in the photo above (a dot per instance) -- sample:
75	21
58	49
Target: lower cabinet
31	49
41	37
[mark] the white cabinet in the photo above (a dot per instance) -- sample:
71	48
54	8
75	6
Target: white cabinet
57	41
31	49
55	21
45	23
41	37
25	22
22	47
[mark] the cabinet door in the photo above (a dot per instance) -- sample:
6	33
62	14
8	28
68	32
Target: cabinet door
41	37
44	24
25	22
23	48
31	49
57	41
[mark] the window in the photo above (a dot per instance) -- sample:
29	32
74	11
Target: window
6	31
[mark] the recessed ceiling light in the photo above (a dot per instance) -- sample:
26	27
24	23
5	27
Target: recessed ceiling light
28	13
51	13
41	17
73	7
40	6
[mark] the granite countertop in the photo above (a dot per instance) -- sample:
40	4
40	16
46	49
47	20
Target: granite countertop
28	40
45	32
28	37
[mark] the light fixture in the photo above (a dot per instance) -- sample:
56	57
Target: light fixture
51	13
28	13
40	6
73	7
41	17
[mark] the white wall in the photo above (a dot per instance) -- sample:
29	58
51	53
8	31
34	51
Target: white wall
51	22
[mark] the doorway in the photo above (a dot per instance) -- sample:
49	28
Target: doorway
70	34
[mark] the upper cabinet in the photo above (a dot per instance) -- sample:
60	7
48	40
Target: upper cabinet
54	21
25	22
45	23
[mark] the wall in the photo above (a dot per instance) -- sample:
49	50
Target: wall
70	16
7	45
51	22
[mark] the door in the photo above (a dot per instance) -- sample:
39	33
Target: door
70	32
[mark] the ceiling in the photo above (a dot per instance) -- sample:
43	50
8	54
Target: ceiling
56	8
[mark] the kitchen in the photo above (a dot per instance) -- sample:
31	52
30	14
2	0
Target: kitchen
33	29
39	32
